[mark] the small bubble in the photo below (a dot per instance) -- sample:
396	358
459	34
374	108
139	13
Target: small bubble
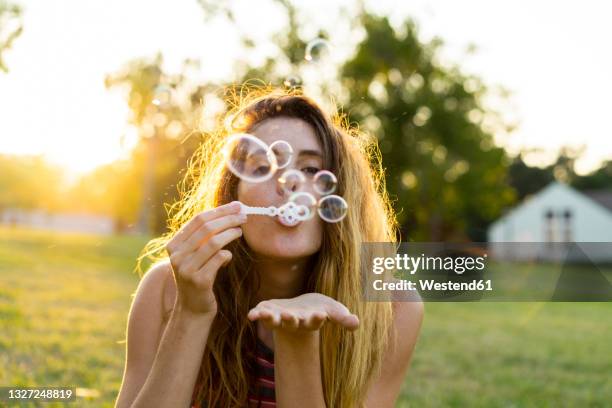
283	152
306	202
317	50
162	96
291	180
292	81
325	182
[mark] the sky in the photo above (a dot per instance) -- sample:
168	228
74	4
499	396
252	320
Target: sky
553	56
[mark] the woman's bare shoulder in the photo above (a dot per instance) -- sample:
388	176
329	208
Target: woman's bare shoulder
407	321
408	314
162	272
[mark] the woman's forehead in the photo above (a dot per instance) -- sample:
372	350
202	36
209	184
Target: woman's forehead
297	132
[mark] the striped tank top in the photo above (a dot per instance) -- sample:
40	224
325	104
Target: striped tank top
261	391
262	394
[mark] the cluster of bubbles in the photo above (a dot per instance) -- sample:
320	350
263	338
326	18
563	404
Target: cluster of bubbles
253	161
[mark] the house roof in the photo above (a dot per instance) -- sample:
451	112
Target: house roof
603	197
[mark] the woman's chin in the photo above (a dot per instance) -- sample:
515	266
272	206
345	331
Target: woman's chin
285	249
274	240
283	252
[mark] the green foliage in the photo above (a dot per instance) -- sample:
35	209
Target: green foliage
442	167
527	180
598	179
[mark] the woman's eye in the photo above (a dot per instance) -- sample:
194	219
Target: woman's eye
261	170
310	170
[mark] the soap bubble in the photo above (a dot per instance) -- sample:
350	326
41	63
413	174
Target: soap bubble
306	203
283	152
292	81
332	208
317	50
324	182
291	180
249	158
162	96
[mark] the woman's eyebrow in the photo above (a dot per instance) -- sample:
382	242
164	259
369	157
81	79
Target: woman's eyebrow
310	153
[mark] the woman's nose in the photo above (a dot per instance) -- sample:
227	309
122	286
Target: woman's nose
289	183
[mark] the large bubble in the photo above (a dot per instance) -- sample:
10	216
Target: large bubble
332	208
249	158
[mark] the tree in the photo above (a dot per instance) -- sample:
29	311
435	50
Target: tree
442	166
164	124
29	182
11	27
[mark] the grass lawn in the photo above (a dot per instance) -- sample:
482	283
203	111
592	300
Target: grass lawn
63	308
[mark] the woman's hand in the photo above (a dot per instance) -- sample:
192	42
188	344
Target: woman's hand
307	312
196	255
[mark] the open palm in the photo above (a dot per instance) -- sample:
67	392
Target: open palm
305	312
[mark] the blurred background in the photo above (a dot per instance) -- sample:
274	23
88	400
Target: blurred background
483	111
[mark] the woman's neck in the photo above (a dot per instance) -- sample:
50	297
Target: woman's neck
281	279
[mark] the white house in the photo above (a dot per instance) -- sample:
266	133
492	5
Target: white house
557	214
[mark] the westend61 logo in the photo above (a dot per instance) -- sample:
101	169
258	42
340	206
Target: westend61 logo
435	271
497	271
411	264
442	274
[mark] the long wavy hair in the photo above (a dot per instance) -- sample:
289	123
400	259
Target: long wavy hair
349	360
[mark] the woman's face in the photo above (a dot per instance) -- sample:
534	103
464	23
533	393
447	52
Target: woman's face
267	236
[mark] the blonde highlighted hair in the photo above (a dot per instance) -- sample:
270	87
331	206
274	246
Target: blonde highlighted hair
349	360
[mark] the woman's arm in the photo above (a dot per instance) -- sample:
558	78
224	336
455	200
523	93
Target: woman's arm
407	319
177	362
297	369
295	324
196	255
149	359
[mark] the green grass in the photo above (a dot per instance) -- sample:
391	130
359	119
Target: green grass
512	355
63	309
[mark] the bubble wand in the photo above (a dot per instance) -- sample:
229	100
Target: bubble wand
290	212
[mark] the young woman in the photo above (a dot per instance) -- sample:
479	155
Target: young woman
245	311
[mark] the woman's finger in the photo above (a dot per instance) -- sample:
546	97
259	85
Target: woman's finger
212	227
200	219
270	318
289	320
253	314
205	277
338	313
215	243
315	320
